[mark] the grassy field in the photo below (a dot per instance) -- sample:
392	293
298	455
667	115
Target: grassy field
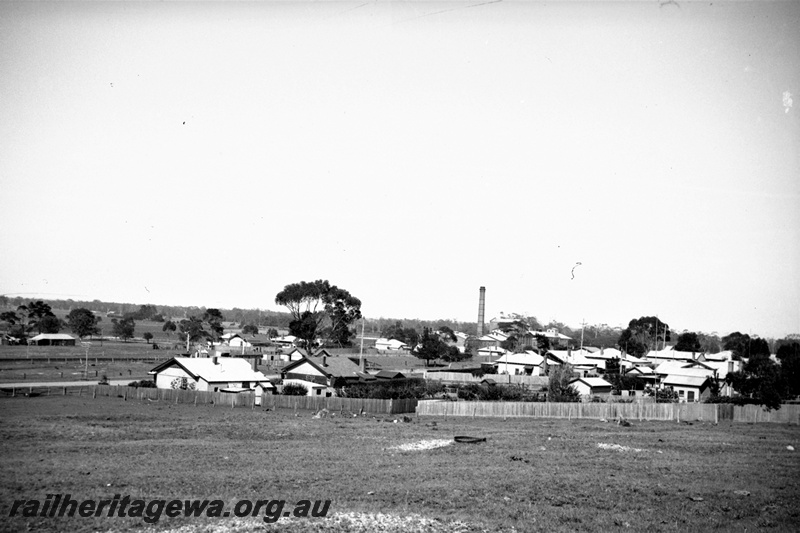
116	360
530	475
130	360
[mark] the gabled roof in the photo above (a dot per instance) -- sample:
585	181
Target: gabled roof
686	381
641	370
494	336
333	367
53	337
390	374
393	343
224	370
527	358
683	368
592	382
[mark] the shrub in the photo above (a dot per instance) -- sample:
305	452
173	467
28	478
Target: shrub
295	389
145	384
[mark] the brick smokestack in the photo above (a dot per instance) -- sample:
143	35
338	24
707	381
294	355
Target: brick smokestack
481	310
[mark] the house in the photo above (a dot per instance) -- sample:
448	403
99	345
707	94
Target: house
689	388
528	363
670	354
645	374
228	374
53	339
492	340
391	345
285	340
556	339
295	354
321	376
588	387
235	340
491	351
578	360
684	368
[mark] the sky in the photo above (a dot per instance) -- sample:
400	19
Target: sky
591	162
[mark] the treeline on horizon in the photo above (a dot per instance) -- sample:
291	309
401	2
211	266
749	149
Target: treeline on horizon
601	336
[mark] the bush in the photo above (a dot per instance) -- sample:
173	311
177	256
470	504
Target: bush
391	390
145	384
295	389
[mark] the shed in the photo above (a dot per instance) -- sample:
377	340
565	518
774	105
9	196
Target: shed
53	339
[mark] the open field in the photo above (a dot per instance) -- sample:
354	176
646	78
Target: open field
530	475
117	360
120	360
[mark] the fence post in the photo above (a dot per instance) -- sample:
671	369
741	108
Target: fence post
48	391
94	392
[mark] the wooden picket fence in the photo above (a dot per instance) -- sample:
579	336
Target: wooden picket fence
248	399
788	414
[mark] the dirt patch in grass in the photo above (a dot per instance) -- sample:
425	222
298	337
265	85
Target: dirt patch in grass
530	475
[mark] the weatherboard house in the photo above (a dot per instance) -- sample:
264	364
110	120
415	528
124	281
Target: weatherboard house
587	387
322	375
215	374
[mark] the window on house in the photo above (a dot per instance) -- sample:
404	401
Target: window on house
319	392
680	393
245	384
216	389
690	395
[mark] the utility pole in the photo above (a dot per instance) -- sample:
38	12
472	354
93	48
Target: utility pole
583	324
361	353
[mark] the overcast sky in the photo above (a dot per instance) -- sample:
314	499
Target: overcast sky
594	162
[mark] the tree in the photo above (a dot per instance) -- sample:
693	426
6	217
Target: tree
431	347
35	313
9	317
688	342
193	327
454	355
400	333
17	328
313	303
558	387
83	322
509	343
542	343
123	328
760	379
250	329
49	324
147	336
169	327
743	346
272	333
643	334
789	356
214	319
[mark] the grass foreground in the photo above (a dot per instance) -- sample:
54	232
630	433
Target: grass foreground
382	475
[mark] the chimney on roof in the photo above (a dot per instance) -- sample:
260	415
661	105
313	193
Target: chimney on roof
481	310
362	365
324	361
215	359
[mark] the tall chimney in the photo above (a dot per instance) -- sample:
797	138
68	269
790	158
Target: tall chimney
481	310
